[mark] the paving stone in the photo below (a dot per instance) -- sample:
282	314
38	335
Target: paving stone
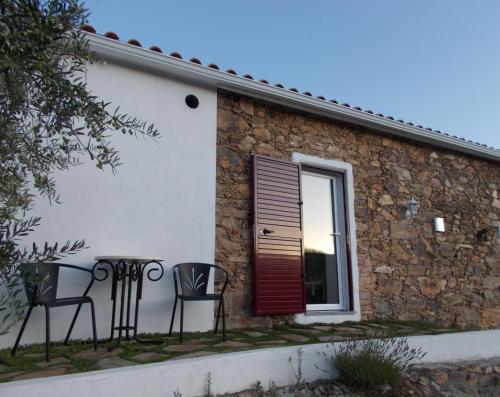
306	331
295	337
348	330
35	356
255	334
378	326
55	362
183	348
272	342
332	338
41	374
113	362
232	343
195	354
377	332
202	340
323	328
149	356
98	354
405	328
361	326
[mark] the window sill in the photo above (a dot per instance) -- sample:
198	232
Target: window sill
329	312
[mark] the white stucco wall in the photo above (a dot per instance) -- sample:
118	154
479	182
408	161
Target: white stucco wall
161	202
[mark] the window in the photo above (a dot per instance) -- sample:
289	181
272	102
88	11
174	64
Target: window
325	249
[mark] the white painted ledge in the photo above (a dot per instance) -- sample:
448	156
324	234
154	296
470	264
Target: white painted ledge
235	371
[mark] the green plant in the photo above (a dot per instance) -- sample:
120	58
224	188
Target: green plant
258	389
366	363
300	383
272	390
208	386
177	393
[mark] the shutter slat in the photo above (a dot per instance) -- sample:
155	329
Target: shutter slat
272	176
278	258
286	204
276	183
270	214
266	192
276	222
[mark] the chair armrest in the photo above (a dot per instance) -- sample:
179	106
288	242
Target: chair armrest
83	269
226	276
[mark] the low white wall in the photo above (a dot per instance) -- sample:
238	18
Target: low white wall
236	371
160	203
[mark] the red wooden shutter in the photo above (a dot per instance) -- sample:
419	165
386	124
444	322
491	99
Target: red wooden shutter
278	260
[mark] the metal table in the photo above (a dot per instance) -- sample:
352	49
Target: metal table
126	271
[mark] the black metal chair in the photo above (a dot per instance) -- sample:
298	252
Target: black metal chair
193	280
40	282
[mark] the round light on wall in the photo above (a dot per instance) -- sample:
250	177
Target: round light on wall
192	101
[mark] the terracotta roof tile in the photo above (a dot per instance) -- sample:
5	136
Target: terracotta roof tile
88	28
112	35
134	42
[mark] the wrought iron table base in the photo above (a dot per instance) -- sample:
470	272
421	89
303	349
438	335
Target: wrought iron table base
124	275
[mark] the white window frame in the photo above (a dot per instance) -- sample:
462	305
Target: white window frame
336	316
341	256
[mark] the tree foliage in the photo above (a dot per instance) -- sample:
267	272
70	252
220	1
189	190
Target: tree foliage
49	121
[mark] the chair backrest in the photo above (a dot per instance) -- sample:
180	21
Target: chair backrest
193	278
40	281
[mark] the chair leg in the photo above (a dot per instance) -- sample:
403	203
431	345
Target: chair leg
72	324
223	320
21	331
182	320
47	333
94	331
217	317
173	317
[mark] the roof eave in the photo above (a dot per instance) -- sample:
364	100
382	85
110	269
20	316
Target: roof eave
141	58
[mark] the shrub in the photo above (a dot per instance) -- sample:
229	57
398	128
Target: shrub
366	363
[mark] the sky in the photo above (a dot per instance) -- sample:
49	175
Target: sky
435	63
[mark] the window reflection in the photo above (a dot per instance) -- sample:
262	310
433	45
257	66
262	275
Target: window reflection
319	242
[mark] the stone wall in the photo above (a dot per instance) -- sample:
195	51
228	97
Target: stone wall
406	271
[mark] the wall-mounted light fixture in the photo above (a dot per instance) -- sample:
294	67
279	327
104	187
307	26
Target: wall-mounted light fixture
412	208
439	225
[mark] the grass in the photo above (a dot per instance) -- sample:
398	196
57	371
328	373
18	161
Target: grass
27	356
